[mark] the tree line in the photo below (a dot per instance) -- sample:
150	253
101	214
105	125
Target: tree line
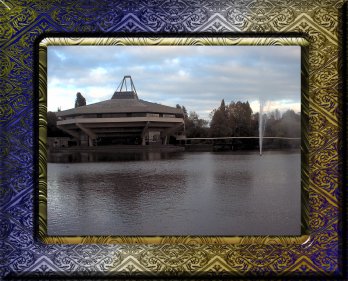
238	120
235	119
52	129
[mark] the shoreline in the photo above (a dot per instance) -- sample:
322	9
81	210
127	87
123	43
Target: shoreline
159	148
106	154
118	149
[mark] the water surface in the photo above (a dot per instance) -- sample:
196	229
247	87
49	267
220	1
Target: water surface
202	193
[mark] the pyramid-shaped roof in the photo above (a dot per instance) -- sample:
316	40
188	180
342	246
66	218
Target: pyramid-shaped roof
121	102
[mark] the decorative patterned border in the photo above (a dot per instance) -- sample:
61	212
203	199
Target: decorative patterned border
22	22
168	41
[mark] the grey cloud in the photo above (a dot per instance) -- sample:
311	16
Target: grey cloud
230	72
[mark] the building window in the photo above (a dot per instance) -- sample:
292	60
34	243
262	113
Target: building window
168	116
152	114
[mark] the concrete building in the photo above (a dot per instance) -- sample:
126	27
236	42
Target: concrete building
58	142
123	119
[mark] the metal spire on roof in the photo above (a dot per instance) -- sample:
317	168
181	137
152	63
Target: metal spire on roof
126	89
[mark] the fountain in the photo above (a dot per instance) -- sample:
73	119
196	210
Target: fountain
261	126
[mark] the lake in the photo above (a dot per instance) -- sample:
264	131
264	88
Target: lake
187	193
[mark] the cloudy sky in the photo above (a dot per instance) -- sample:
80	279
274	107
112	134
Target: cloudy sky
198	77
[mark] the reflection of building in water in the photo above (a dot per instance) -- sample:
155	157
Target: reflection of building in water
58	142
124	119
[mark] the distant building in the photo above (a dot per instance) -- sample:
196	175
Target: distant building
124	119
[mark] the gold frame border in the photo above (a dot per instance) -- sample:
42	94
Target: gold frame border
222	40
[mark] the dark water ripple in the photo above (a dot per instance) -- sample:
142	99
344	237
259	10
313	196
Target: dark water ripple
185	194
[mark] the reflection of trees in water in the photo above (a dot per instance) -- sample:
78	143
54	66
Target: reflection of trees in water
130	192
167	196
132	186
77	157
128	187
230	176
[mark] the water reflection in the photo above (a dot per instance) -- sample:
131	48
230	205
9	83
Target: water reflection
176	194
78	157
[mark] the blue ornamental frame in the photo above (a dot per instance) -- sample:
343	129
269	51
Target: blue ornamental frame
24	22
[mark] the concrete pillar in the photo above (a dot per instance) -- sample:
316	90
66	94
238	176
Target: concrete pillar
75	135
144	133
89	133
90	141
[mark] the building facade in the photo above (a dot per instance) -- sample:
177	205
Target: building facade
123	119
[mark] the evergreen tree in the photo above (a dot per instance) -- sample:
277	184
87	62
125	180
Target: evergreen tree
223	106
240	118
80	100
185	112
219	125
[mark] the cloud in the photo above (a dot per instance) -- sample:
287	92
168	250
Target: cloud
60	55
197	77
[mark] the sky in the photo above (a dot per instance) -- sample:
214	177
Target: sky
198	77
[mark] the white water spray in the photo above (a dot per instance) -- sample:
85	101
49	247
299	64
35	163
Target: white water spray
262	126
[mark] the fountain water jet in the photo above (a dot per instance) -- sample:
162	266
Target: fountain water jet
262	126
